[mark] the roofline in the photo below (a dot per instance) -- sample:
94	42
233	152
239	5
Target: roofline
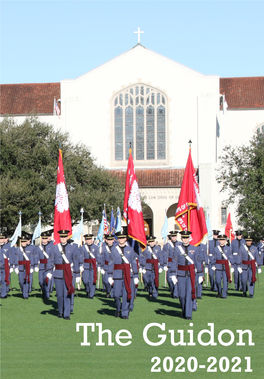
139	46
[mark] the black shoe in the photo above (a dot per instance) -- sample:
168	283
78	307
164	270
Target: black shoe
67	318
188	318
218	295
244	294
87	295
251	296
125	317
59	315
108	295
224	297
117	314
199	298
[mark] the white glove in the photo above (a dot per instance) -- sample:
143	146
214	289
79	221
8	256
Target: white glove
239	270
144	271
11	270
140	270
232	270
78	279
17	271
200	279
81	269
259	270
102	271
160	270
110	281
31	270
174	279
36	269
165	268
98	269
71	264
136	281
206	270
49	275
213	268
195	269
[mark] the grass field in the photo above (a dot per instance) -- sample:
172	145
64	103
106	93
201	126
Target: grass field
36	344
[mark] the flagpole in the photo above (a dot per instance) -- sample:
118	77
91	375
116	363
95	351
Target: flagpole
20	221
40	227
189	213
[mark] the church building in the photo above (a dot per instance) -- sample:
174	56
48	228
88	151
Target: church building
157	105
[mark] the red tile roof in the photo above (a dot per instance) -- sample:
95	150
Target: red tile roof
243	93
21	99
160	177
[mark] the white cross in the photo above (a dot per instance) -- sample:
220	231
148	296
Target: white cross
138	33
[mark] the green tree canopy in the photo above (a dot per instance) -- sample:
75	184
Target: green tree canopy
242	177
29	160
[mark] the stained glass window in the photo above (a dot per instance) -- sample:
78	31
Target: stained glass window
140	120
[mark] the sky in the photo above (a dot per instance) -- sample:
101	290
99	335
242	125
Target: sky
48	41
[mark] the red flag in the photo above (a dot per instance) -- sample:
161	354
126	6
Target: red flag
62	217
132	210
189	213
229	229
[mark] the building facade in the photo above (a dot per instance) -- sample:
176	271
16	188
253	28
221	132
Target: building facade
157	105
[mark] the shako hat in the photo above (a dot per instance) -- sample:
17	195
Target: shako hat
45	235
173	233
185	233
150	238
88	236
63	233
222	237
109	237
248	238
122	233
216	232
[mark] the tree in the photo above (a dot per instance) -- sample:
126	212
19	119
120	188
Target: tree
29	159
242	176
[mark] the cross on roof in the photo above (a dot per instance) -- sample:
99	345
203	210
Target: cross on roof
138	33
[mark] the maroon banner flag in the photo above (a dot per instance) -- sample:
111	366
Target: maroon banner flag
62	216
132	209
189	213
229	232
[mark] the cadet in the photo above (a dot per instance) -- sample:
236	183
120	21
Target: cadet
24	266
250	262
119	272
261	251
235	247
221	259
106	251
185	256
63	260
150	262
89	276
4	265
211	246
44	256
169	264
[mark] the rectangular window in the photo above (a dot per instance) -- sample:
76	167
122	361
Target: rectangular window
118	134
140	133
223	215
150	133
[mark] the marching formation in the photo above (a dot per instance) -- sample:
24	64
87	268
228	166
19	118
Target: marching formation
122	264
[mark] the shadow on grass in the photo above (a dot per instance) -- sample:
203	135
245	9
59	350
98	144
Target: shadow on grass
106	312
50	303
168	312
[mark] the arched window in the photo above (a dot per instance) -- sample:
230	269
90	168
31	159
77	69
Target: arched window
140	114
